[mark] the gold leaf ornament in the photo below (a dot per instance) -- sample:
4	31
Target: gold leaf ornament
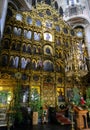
18	75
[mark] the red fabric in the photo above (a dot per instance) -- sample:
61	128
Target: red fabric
62	119
82	101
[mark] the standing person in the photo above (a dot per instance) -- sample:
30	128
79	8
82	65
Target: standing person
29	115
45	114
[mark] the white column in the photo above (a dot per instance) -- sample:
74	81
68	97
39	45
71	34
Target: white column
3	12
87	33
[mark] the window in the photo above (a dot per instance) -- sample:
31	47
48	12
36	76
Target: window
77	1
67	2
73	10
9	12
71	2
28	1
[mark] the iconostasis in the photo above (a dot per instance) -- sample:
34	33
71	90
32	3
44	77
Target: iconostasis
38	44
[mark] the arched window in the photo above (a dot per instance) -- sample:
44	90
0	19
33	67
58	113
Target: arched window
61	11
39	1
9	12
77	1
56	5
67	2
34	3
48	2
70	2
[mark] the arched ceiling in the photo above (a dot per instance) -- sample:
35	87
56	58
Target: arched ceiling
78	21
21	4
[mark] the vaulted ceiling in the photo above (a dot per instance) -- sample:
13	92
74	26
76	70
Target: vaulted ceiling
78	21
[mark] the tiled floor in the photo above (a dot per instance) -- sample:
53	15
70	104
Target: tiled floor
51	127
41	127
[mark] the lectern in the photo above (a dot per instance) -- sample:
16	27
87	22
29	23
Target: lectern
81	117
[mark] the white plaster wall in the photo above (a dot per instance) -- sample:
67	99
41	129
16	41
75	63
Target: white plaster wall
83	3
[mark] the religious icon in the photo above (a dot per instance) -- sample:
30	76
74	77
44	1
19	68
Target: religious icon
47	36
60	95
